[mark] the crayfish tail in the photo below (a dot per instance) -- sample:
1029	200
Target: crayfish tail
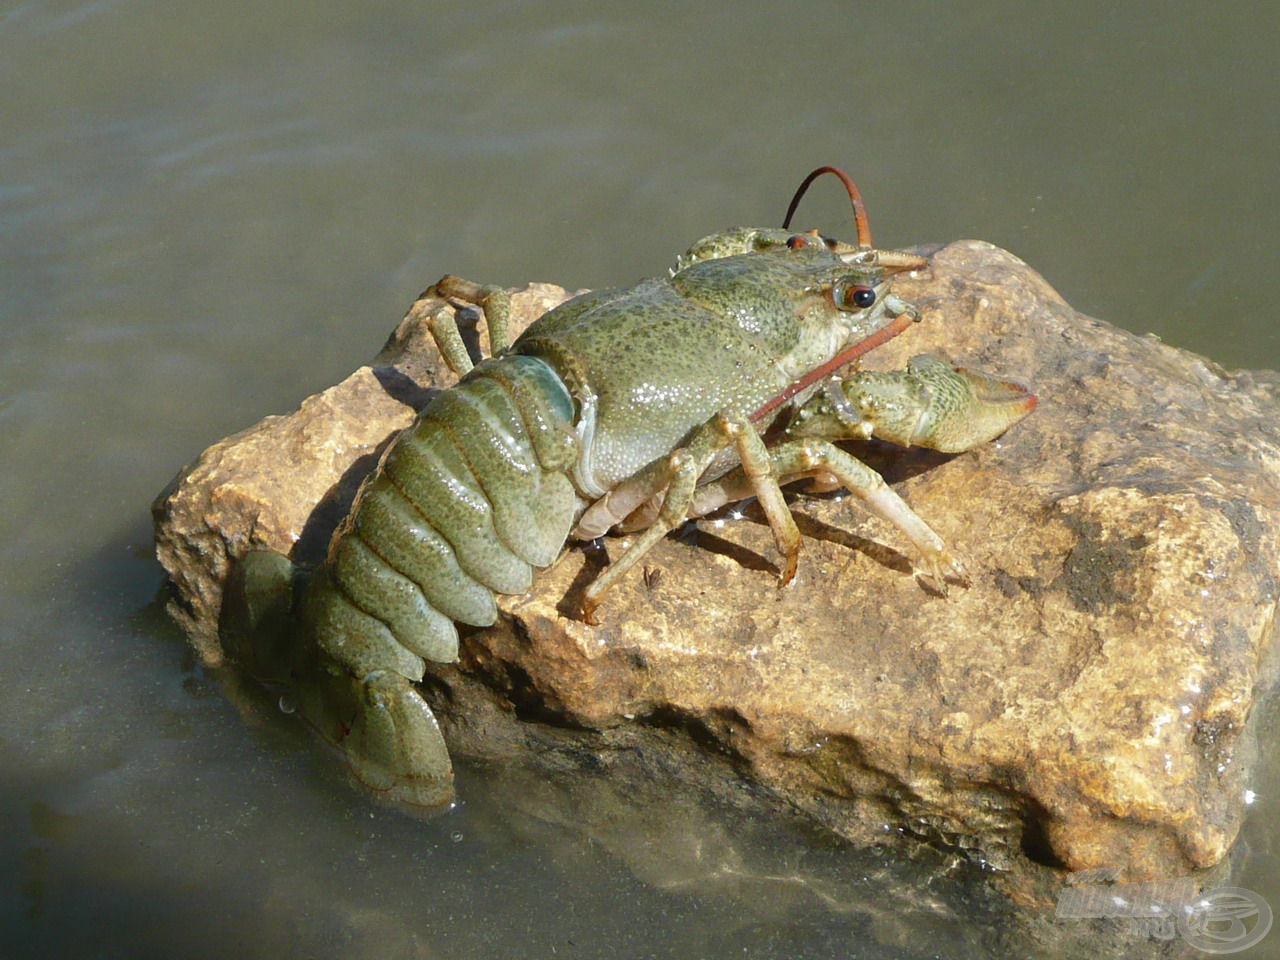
256	620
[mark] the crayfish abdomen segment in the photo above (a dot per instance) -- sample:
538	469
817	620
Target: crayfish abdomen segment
462	508
466	502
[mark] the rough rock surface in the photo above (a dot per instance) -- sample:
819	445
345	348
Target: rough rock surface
1085	702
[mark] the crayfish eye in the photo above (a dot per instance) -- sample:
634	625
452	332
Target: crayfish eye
852	296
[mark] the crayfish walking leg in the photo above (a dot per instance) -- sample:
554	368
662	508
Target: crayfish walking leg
930	404
443	324
678	479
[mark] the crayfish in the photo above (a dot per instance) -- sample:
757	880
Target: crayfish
638	407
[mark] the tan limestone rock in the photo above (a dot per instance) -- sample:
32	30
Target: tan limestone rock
1085	702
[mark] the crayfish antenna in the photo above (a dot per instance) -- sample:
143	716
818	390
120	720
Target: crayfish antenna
899	261
855	198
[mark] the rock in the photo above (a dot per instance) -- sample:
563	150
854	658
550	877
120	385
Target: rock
1084	703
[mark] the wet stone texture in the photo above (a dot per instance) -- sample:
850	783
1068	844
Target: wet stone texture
1085	702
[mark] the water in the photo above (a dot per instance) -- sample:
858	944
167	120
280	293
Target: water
208	211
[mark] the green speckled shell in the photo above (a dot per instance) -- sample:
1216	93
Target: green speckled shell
665	356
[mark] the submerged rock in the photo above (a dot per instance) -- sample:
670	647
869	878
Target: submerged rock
1084	703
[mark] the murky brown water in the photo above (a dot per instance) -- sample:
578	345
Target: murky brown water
209	210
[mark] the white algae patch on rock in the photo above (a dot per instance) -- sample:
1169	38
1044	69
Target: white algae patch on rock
1086	702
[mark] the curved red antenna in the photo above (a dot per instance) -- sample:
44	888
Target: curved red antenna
859	209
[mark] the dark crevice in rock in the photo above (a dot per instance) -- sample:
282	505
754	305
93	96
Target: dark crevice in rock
313	540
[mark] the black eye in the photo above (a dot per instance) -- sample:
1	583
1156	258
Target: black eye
850	296
797	242
862	297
